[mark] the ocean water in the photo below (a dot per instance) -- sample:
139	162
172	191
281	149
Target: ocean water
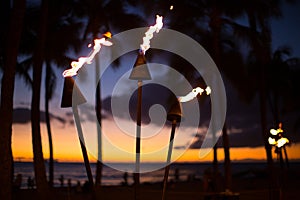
76	172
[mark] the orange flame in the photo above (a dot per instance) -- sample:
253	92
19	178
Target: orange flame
149	33
276	131
271	141
76	65
282	141
279	142
190	96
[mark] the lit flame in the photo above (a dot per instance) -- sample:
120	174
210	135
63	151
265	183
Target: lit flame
279	142
282	141
190	96
76	65
273	132
149	34
276	131
171	7
272	141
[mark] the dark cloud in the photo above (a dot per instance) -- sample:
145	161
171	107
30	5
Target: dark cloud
155	94
22	116
152	94
242	120
243	137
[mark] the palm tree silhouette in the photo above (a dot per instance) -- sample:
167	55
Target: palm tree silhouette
62	35
258	35
38	56
279	82
280	88
12	32
61	26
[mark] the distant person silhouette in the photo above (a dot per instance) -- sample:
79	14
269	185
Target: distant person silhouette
30	183
61	180
78	187
17	182
69	183
125	177
176	175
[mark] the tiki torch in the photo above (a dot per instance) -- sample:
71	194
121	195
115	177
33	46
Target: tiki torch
278	140
139	72
174	115
72	97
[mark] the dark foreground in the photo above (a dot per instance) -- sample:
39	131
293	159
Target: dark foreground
245	187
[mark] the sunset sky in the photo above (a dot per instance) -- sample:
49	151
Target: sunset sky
243	120
67	148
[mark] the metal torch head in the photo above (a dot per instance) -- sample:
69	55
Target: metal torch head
140	69
67	96
175	112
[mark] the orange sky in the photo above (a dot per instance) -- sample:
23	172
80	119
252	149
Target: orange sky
67	148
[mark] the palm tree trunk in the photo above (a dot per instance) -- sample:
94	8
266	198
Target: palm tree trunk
47	99
39	165
227	164
263	57
7	91
263	110
216	26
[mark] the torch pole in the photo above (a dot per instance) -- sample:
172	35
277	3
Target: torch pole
138	141
83	148
286	157
167	168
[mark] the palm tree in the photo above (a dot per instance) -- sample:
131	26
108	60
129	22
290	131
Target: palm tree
38	55
49	87
62	35
258	33
217	42
57	54
9	56
280	88
215	25
279	83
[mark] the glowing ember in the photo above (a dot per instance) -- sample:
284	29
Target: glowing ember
149	34
190	96
76	65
